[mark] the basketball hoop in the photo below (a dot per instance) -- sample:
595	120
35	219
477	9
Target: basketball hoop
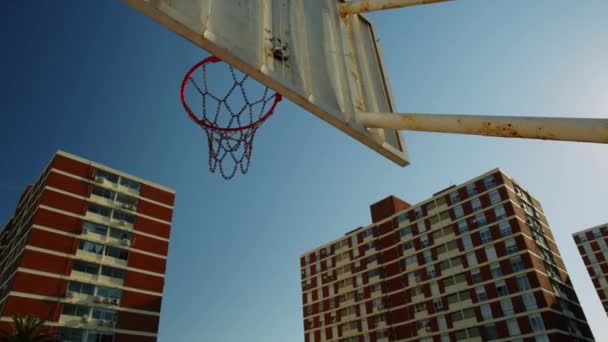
230	120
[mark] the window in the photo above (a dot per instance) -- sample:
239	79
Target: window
491	333
457	316
367	233
496	270
541	338
442	324
406	231
495	197
70	334
408	245
517	263
106	175
403	217
108	292
476	276
119	253
471	259
438	304
458	212
523	283
501	288
123	216
113	272
133	185
430	272
461	335
434	289
95	228
481	294
505	228
529	301
106	315
486	312
486	235
536	321
507	306
421	226
120	234
511	246
373	273
83	288
513	327
75	310
491	253
463	226
410	260
476	204
99	210
99	337
90	247
423	325
413	276
480	219
489	182
471	190
418	212
424	242
466	242
438	234
500	213
428	256
452	245
454	197
379	318
105	193
86	267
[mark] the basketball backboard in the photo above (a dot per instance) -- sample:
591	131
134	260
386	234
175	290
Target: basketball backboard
328	64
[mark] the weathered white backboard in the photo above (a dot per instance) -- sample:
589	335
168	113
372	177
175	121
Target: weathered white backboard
303	49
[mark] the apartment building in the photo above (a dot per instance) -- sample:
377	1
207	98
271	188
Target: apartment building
86	250
592	244
475	262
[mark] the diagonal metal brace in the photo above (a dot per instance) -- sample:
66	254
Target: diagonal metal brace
546	128
362	6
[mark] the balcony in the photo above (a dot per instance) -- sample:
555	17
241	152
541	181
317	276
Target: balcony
465	323
461	305
101	200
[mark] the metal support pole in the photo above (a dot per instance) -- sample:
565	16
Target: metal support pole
547	128
362	6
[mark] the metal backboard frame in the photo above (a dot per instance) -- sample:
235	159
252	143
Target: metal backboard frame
328	64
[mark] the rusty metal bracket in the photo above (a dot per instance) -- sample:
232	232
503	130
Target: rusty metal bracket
546	128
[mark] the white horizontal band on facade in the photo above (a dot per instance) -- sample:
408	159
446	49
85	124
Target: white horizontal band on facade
107	168
79	236
92	182
92	200
61	276
63	300
82	217
75	257
113	330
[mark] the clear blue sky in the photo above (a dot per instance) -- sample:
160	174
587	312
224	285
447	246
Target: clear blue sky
102	82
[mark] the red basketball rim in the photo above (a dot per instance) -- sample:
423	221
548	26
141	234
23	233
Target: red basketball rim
213	59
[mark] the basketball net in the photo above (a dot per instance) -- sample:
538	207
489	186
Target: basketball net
230	116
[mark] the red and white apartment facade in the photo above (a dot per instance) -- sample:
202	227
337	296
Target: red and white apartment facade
475	262
592	243
86	250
